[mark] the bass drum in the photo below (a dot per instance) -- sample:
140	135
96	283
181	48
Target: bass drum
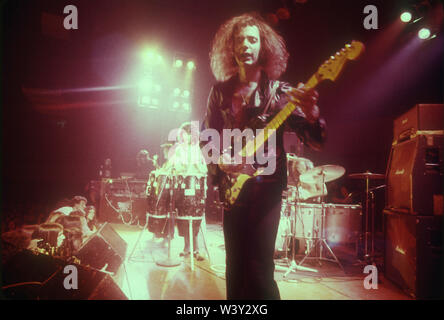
343	223
284	239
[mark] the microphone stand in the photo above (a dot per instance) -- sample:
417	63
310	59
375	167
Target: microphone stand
322	238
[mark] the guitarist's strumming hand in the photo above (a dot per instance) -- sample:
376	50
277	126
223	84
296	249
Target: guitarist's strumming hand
306	100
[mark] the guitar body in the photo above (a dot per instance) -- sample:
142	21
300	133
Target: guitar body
236	175
232	184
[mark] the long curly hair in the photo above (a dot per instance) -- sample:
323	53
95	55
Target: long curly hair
273	55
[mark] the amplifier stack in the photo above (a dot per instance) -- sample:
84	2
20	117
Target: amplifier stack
414	203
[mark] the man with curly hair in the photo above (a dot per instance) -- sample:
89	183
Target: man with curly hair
247	58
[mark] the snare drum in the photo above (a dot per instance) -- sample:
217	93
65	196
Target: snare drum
190	195
343	223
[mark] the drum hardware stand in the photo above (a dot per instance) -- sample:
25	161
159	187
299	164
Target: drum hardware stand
322	240
145	227
202	230
369	248
293	265
369	197
139	237
369	257
191	237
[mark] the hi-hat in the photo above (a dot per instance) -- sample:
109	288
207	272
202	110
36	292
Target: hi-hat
329	171
366	175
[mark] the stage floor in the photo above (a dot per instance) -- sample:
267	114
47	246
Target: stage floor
141	277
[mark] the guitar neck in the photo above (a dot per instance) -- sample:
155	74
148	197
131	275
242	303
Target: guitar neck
252	145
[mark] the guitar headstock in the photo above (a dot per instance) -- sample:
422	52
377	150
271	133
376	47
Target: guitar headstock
332	67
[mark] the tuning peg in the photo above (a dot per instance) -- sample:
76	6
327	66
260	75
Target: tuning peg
348	45
332	57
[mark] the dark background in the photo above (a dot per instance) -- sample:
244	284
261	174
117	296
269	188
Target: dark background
53	144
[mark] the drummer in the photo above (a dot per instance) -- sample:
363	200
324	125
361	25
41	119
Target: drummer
187	159
305	190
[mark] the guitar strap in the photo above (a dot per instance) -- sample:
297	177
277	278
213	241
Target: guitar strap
272	93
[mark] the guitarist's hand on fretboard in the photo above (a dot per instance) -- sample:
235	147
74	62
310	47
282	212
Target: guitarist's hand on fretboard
306	100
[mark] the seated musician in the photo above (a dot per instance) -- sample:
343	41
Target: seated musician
76	203
306	190
48	238
78	220
75	230
91	219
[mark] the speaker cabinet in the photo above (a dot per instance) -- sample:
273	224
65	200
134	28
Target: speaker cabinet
413	254
104	250
123	201
31	276
118	209
422	117
415	176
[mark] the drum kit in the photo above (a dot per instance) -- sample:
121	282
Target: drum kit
175	198
306	218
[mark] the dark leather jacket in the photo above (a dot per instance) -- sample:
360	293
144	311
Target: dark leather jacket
219	116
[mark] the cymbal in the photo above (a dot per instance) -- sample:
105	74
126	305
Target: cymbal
366	175
329	171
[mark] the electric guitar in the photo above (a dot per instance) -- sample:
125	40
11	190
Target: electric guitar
236	175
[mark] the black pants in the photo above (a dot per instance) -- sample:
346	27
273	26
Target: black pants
250	233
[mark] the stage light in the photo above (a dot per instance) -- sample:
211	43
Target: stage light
176	92
186	106
191	65
424	33
175	105
151	57
186	93
406	17
178	63
145	100
145	84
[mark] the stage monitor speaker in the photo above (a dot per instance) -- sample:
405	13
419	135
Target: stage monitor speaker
422	117
105	250
31	276
413	254
415	176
